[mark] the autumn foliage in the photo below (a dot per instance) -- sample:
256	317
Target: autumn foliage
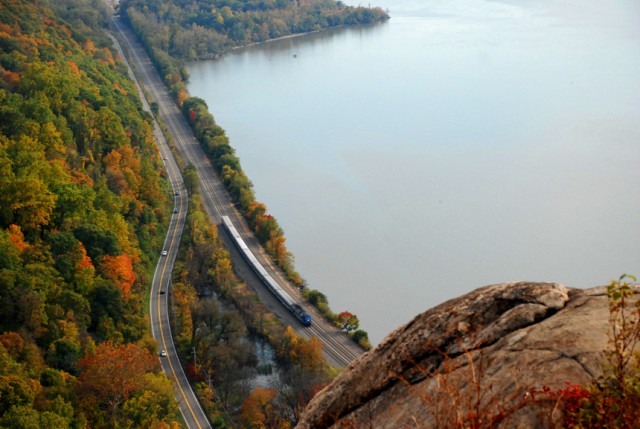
306	372
17	238
112	373
260	411
192	33
348	321
12	343
297	351
612	401
82	204
120	270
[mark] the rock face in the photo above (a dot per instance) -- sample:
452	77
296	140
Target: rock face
486	349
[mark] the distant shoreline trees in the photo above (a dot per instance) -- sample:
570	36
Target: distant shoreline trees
197	29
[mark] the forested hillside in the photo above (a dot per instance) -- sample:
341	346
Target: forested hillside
82	208
190	29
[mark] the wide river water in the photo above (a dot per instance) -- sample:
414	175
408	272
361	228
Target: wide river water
462	143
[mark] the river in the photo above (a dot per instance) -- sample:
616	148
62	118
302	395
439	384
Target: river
460	144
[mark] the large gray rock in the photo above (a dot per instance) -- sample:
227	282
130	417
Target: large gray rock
518	336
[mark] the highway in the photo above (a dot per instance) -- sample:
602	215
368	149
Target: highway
189	405
338	349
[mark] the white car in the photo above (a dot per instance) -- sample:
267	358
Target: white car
164	253
163	353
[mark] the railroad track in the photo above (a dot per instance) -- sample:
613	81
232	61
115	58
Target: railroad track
338	349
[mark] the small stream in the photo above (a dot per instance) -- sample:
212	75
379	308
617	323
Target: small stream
267	371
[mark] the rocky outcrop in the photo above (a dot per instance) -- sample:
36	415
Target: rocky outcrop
484	350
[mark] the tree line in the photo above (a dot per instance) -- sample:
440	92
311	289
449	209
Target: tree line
196	29
83	206
216	145
218	321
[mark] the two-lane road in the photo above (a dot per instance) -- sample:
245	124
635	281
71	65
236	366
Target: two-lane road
189	405
338	349
159	309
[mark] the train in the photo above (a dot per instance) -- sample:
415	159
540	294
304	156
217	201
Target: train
266	278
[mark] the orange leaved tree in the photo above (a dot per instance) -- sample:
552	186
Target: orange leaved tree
112	373
119	269
259	410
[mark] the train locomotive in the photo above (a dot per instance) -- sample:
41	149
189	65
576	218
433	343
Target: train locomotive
275	288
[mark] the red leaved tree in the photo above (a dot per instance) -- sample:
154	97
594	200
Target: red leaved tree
348	321
112	373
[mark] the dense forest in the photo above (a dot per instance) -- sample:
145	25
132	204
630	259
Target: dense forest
82	209
191	29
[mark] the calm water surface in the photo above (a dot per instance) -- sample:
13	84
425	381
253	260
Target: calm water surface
463	143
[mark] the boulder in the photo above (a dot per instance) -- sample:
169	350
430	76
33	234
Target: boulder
484	351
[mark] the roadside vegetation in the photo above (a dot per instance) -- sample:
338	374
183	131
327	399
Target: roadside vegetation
143	18
216	145
83	209
218	322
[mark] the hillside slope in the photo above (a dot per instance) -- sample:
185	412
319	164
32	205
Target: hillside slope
82	208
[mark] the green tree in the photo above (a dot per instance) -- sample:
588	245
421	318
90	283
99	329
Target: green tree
15	392
25	199
63	354
151	405
21	417
97	241
318	300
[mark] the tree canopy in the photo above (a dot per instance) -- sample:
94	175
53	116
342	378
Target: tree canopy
82	203
190	29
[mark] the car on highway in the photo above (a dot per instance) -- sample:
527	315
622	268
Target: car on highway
164	253
175	210
162	291
163	353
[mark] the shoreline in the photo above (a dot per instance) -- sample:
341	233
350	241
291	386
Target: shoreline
294	35
288	36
